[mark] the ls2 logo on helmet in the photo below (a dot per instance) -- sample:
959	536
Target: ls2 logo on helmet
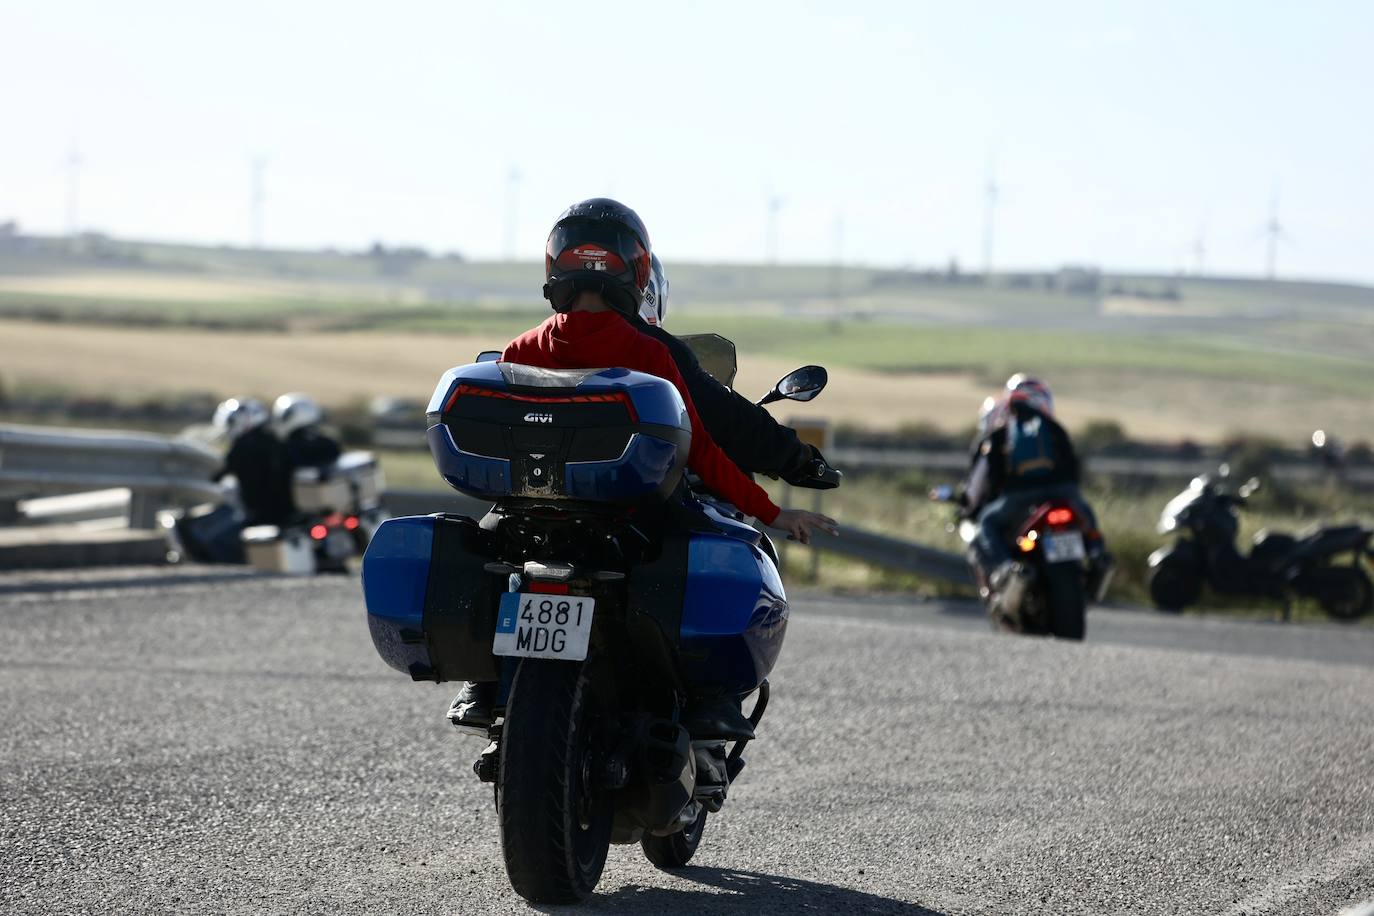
538	418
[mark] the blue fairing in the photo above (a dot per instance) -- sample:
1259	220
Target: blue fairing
734	616
395	579
647	460
478	474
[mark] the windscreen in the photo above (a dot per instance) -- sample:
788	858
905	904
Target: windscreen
716	355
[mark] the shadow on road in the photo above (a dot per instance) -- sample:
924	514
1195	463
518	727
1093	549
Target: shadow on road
749	892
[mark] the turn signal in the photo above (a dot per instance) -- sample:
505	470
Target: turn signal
1026	543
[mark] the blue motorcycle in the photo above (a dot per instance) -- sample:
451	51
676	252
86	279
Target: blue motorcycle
603	592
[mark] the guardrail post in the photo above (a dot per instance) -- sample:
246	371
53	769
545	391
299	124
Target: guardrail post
143	506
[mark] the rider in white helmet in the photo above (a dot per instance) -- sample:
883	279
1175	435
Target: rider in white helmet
653	309
298	418
257	460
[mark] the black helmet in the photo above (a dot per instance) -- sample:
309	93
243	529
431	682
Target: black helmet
598	245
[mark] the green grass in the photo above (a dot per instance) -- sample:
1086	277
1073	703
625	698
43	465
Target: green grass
896	504
996	351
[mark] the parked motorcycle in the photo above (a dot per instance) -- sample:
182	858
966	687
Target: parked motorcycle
1204	520
1063	565
339	508
602	599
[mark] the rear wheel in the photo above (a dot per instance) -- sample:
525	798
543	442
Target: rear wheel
1068	600
676	850
1348	596
1174	584
555	822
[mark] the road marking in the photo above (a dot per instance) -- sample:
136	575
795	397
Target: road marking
1282	891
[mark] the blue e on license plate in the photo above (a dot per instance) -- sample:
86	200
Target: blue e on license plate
543	626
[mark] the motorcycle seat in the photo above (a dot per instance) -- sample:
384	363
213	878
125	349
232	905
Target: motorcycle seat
1333	539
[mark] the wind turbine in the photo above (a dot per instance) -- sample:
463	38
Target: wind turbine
989	216
72	164
257	198
771	242
1274	233
512	188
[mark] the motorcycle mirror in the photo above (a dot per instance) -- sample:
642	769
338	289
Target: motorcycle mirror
798	385
489	356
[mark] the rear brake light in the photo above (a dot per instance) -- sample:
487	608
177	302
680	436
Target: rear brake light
318	532
547	588
351	523
612	397
1060	516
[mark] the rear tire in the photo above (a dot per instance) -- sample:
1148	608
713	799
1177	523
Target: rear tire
1351	598
555	825
1174	584
1068	601
675	851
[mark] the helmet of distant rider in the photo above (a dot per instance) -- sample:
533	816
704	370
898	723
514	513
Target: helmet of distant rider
295	411
990	415
602	246
1028	390
654	308
237	416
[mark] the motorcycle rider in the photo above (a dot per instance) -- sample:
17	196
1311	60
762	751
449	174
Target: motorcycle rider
1029	459
973	492
597	265
746	432
257	459
298	418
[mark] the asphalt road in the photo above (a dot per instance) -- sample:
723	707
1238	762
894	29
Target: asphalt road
193	742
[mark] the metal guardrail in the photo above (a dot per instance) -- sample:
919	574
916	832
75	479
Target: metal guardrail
954	461
854	543
857	458
896	554
159	472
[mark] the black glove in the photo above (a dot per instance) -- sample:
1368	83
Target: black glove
803	465
815	472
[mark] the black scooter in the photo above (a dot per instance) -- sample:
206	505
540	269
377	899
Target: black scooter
1204	518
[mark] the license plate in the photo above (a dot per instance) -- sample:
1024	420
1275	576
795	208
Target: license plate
1063	548
543	626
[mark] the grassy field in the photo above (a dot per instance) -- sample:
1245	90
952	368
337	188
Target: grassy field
1195	358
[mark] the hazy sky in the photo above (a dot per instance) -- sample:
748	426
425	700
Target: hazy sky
1119	133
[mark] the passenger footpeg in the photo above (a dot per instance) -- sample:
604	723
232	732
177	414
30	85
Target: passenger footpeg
488	764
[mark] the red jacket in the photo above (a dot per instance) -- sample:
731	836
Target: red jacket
586	340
